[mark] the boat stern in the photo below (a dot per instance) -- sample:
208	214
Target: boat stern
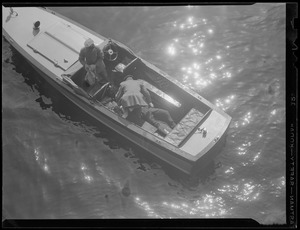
207	139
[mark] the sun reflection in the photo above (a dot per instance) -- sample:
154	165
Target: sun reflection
273	112
41	160
46	168
227	75
106	177
242	150
229	171
145	205
226	102
256	156
248	191
86	176
282	181
196	66
37	154
210	31
278	186
222	67
171	50
212	75
246	119
194	45
207	206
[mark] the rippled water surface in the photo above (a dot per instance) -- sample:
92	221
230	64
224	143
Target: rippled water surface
58	163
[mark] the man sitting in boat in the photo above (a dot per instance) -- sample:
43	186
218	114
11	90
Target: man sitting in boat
132	96
91	57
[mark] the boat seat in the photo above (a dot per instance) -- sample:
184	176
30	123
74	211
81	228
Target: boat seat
132	66
184	127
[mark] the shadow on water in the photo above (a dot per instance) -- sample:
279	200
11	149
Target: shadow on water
69	112
148	163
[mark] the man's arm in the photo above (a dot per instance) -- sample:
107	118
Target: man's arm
119	94
82	57
147	95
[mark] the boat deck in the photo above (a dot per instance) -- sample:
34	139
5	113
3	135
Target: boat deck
55	45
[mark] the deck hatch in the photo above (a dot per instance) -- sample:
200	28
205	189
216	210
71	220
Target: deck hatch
56	52
67	36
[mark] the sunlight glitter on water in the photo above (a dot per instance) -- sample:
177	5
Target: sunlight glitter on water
256	157
243	148
225	102
242	191
229	171
278	186
207	206
146	207
172	50
195	75
247	118
244	120
86	176
41	160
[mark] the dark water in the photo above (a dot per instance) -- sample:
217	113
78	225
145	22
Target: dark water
58	163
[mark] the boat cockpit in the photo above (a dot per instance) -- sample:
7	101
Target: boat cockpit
120	62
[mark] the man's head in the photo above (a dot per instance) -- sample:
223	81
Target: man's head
89	43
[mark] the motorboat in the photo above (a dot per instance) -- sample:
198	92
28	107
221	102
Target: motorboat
51	43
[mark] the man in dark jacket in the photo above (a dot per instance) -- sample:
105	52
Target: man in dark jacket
91	57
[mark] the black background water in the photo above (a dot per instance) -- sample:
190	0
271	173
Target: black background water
59	163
